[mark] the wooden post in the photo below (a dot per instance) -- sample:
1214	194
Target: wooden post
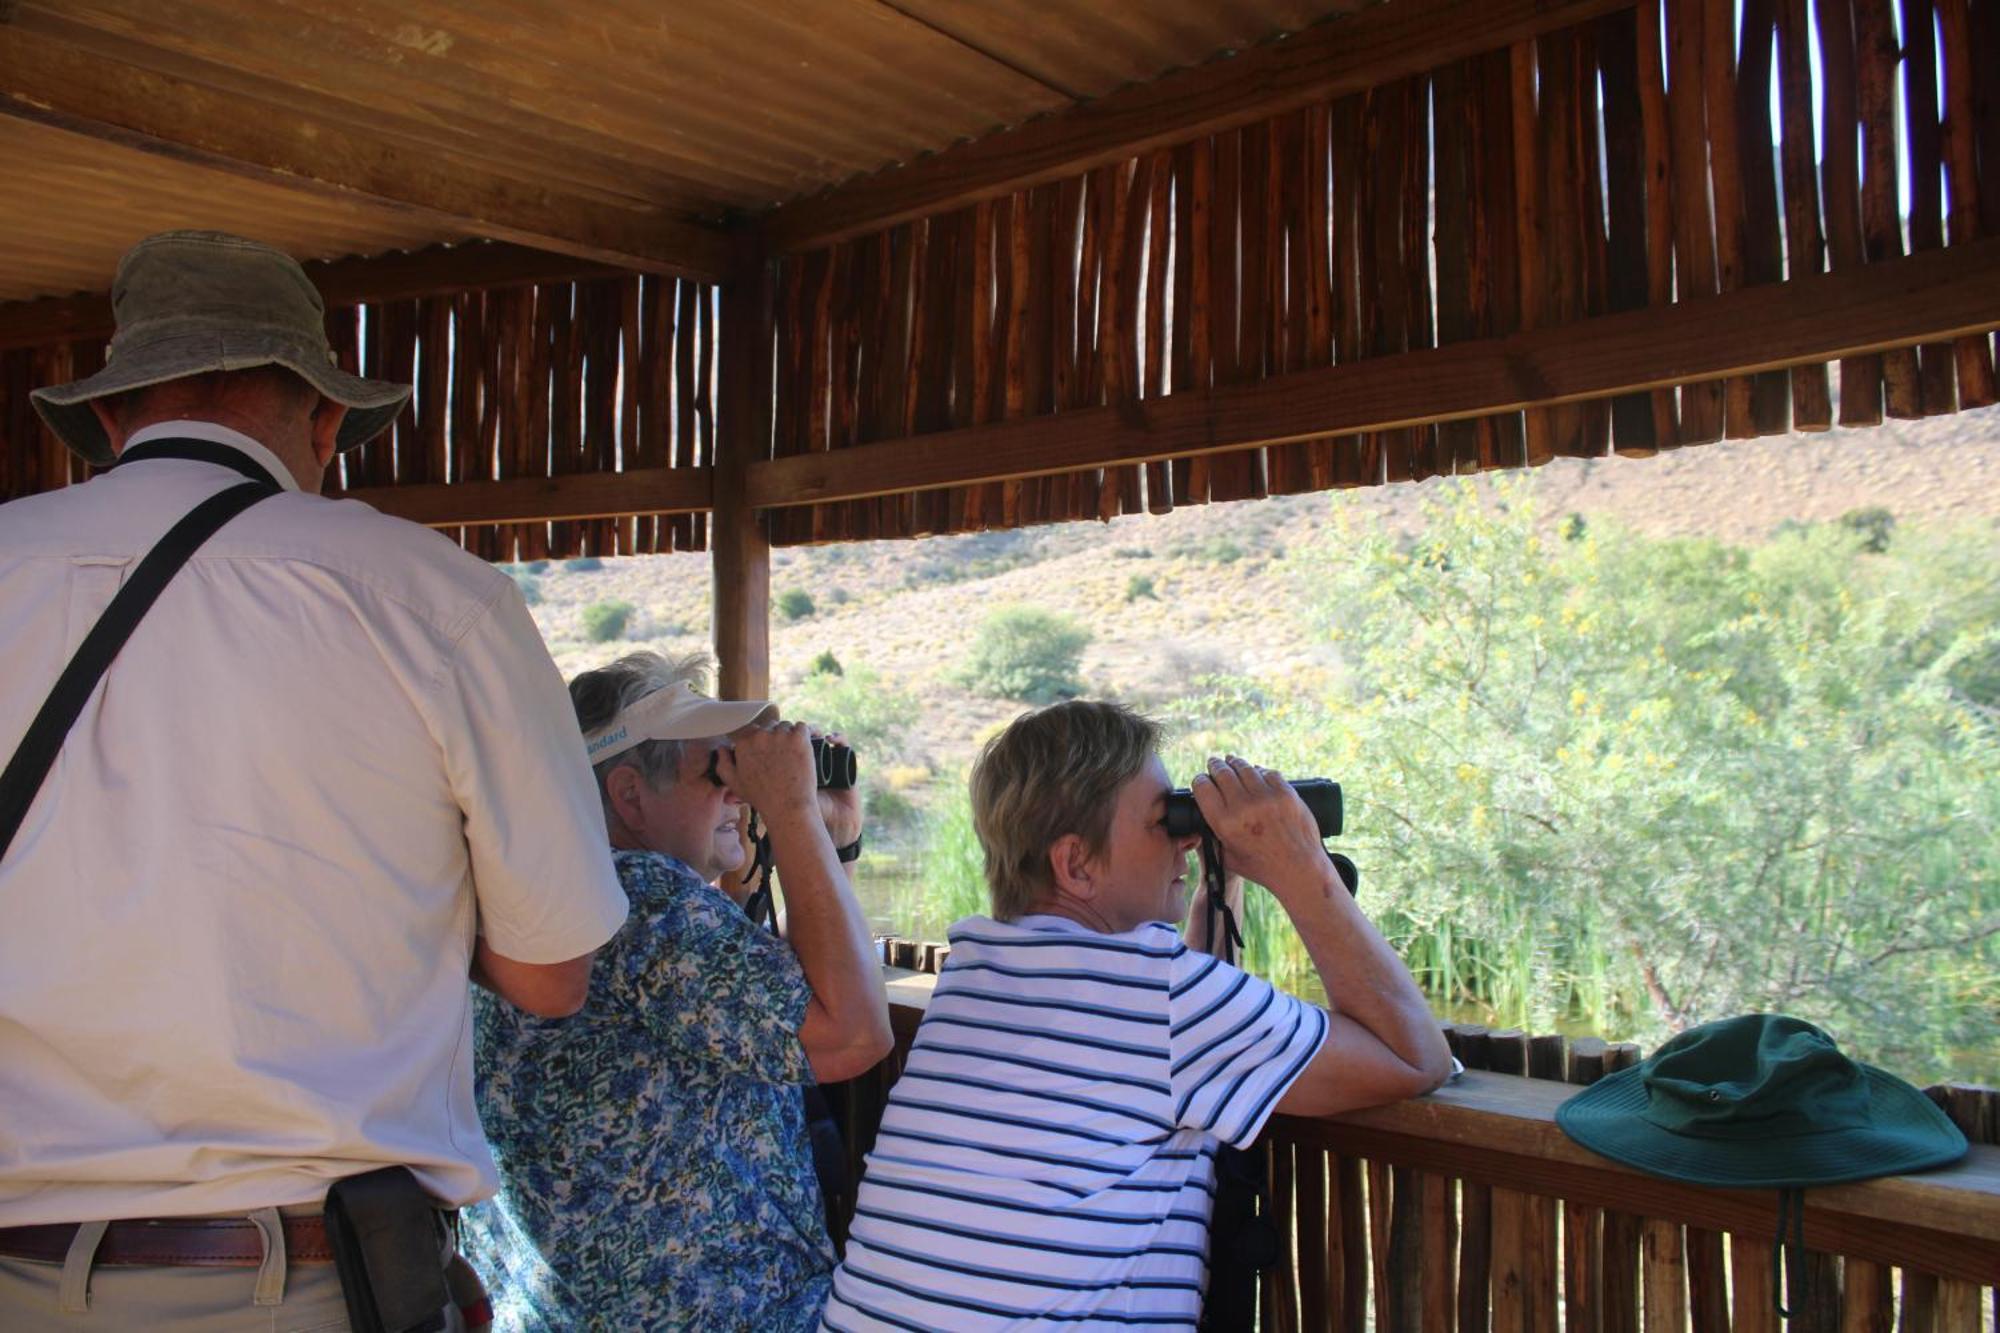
741	560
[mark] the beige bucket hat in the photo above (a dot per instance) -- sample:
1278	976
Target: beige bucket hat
191	302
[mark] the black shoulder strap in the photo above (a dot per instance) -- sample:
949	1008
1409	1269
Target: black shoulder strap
44	739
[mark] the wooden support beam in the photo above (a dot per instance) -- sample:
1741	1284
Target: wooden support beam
92	93
1933	296
1376	46
738	536
438	270
661	490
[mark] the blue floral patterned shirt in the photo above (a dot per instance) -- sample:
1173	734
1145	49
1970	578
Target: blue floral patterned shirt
655	1164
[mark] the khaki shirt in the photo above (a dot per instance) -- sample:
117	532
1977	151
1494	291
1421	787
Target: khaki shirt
236	925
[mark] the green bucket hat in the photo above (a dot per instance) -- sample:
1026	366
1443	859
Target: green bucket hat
1762	1102
191	302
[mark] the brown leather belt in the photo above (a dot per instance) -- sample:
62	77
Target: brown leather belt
220	1241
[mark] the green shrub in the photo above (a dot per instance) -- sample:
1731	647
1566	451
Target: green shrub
1026	653
583	564
873	716
826	664
1140	585
605	621
537	566
530	586
794	603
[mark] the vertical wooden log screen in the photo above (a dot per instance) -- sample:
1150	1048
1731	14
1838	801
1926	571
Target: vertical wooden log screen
1659	154
609	375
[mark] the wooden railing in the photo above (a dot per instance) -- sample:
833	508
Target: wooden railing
1468	1209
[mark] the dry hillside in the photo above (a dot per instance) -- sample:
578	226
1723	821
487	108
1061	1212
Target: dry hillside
907	609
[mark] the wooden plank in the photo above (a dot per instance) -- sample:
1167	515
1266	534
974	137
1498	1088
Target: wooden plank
741	593
1750	1292
1623	1243
1658	139
439	270
1511	1301
1763	238
1937	379
1920	298
1439	1306
1840	191
579	495
1475	1255
1159	233
1403	1300
1664	1269
1565	256
87	92
1582	1268
1805	245
1708	1291
1694	246
1351	1263
1323	62
428	461
1279	1296
1877	56
1379	1199
1316	1307
1500	1131
1349	172
1865	1301
1976	383
1718	74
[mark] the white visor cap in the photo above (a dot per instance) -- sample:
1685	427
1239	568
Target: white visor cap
675	713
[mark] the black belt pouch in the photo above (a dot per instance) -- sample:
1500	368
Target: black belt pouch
384	1232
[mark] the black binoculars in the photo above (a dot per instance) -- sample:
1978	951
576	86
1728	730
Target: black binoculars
1321	795
833	764
834	768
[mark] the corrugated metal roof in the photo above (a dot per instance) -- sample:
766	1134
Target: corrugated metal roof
702	108
73	204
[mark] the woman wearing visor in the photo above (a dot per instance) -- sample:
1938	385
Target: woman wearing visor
656	1166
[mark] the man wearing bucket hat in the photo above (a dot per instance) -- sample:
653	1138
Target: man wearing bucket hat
655	1156
1762	1101
257	835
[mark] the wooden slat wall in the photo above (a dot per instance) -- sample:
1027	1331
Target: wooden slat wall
1392	1245
1455	1254
607	375
1602	168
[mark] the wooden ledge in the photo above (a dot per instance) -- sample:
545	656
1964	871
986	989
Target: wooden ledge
1500	1130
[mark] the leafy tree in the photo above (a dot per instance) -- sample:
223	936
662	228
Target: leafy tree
826	664
1649	783
1026	653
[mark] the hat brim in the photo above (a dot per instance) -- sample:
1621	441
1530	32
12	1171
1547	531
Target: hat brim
1905	1132
371	404
719	717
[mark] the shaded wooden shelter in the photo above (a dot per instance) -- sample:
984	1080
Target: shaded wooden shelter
718	275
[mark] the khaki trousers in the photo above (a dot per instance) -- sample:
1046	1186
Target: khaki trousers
77	1296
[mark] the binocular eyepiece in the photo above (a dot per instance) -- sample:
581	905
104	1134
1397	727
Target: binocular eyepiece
834	768
1321	796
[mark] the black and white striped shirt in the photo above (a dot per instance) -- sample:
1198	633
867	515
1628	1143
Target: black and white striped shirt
1047	1159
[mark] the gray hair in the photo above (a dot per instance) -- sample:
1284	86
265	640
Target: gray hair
601	695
